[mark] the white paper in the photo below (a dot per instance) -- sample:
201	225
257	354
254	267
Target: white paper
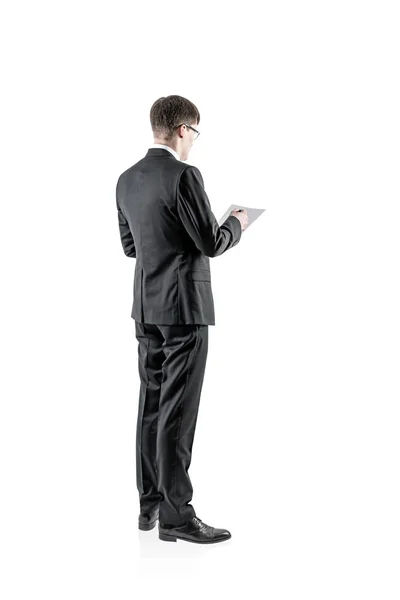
252	213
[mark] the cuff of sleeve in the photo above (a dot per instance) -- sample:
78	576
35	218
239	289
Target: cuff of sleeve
237	227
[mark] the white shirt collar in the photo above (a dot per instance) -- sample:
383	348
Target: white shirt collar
167	148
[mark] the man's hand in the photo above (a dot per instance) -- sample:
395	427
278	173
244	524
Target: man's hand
241	214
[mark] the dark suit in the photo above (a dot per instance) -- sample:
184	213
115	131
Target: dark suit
166	223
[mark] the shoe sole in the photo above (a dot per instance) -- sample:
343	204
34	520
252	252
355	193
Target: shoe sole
172	538
147	526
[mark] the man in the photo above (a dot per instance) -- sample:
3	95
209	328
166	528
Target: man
166	223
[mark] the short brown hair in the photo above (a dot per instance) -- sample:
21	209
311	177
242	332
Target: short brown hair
170	111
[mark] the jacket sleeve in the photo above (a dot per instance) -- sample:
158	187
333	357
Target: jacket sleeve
127	241
198	219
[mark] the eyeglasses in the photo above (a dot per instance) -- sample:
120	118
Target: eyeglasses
197	133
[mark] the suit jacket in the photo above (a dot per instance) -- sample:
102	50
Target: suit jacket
166	223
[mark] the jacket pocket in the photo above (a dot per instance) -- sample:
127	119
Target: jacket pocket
200	275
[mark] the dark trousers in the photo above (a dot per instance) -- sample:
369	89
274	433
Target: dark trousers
172	360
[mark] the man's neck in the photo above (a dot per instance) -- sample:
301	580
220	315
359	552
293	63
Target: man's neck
168	146
165	144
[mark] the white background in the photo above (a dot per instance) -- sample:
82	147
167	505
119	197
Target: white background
297	442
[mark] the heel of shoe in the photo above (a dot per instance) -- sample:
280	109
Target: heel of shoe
166	538
147	526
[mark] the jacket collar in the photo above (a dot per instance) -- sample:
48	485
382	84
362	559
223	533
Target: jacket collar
162	151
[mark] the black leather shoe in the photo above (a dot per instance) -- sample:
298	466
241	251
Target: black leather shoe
148	520
193	531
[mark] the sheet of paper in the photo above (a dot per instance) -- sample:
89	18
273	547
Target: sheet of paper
252	213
